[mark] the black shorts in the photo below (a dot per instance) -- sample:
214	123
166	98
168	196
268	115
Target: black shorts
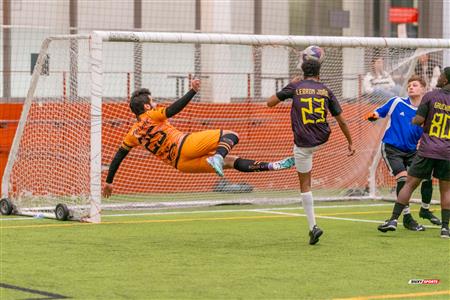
424	167
396	160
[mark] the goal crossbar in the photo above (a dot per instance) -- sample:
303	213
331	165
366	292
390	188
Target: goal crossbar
262	40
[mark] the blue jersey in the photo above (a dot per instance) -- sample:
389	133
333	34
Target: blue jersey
400	131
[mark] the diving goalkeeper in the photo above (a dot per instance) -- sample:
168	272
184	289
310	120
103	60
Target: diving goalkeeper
198	152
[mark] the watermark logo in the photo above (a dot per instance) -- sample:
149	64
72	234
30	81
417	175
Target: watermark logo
424	281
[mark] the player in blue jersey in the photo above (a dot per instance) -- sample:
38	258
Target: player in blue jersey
399	146
433	156
311	102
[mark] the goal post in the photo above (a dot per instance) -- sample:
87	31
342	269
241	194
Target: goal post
66	140
95	138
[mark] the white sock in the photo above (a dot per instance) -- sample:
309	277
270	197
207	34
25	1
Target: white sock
406	210
308	206
426	205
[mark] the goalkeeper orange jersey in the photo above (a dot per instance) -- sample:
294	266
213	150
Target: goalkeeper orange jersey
157	135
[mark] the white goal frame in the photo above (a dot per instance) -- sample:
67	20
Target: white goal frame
97	38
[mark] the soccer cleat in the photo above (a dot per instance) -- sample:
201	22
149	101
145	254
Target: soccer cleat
445	233
283	164
216	162
314	235
389	225
411	224
427	214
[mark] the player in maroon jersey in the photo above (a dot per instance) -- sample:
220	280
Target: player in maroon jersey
433	156
312	100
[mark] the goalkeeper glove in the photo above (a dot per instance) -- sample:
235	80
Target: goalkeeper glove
371	116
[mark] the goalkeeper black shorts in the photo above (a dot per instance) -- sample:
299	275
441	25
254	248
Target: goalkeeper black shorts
396	160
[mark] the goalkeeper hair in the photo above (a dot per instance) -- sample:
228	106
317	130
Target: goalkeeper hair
311	68
418	79
138	99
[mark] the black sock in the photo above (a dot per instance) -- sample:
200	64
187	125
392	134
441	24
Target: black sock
445	213
400	183
248	165
397	211
226	143
426	191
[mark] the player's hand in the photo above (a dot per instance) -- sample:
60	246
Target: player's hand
195	83
351	150
107	190
371	116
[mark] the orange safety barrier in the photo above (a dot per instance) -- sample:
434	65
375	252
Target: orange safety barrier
9	118
265	135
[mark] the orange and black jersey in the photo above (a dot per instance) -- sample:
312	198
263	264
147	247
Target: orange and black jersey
154	132
157	135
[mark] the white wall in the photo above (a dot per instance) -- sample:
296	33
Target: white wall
35	20
353	56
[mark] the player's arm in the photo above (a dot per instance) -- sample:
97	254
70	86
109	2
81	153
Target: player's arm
380	112
181	103
286	93
336	111
113	167
418	120
346	131
273	101
421	114
422	111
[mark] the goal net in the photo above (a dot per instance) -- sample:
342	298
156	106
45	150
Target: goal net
76	115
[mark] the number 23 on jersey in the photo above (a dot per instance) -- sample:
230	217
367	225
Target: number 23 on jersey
312	114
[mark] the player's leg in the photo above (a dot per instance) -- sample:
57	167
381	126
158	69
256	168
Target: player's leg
220	160
249	165
303	162
207	142
197	147
426	191
420	168
397	162
227	141
444	188
402	202
201	165
442	172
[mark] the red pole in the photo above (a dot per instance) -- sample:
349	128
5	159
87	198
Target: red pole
359	87
128	86
64	87
249	87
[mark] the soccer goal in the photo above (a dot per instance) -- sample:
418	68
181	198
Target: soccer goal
76	114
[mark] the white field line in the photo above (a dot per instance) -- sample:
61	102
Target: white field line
278	213
238	210
14	219
331	218
319	217
219	211
275	210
